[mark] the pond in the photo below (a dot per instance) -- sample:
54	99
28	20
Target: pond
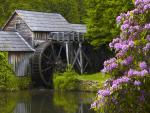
46	101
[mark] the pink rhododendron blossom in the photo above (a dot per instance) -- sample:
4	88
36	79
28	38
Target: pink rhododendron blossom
147	26
137	83
144	72
104	93
148	37
127	61
143	65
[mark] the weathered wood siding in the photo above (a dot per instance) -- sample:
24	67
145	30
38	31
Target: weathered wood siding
41	35
23	30
20	62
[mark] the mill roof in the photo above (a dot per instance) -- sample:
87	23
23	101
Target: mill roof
47	22
40	21
12	41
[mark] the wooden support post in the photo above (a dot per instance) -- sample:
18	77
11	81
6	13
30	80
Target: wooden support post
81	58
63	37
67	52
73	36
71	52
57	38
78	35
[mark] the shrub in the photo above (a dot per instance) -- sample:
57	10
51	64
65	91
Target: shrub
8	80
128	91
66	81
24	82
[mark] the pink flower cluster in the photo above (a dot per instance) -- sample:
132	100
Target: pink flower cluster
116	83
104	93
146	48
143	5
121	45
137	83
110	65
127	61
135	73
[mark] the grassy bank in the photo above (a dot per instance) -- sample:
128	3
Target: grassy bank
92	82
70	80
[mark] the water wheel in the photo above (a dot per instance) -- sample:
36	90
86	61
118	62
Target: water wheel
48	58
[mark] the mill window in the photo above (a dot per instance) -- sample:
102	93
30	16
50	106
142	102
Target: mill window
18	26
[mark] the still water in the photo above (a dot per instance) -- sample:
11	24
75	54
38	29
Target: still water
46	101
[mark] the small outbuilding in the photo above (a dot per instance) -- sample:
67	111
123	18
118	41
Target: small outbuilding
19	51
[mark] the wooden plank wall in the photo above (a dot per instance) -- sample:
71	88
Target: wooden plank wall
41	35
20	62
24	30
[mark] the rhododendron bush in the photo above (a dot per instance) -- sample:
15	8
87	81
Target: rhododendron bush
128	89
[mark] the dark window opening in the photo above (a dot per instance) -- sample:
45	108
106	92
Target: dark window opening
18	26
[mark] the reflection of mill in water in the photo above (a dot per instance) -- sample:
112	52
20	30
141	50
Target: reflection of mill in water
26	108
23	107
81	108
42	102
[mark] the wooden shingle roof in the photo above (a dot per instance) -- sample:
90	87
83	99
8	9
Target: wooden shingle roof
12	41
39	21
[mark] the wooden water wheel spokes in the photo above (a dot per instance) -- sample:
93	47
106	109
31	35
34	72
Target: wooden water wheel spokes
52	59
47	63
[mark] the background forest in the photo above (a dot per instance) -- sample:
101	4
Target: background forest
99	15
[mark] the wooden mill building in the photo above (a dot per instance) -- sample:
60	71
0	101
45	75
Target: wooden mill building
36	42
19	51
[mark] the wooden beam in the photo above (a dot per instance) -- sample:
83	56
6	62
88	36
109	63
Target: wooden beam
85	66
81	57
87	58
77	60
58	55
67	52
76	56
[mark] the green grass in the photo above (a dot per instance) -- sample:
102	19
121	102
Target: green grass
71	80
96	77
93	77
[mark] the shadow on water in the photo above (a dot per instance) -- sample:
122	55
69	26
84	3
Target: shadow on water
46	101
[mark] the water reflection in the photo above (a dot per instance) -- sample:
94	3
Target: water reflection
45	101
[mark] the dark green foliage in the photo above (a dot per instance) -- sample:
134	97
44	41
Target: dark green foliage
72	10
8	81
101	20
68	8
